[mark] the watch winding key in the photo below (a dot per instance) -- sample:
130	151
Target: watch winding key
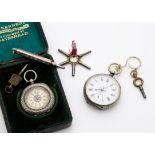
37	98
103	90
74	58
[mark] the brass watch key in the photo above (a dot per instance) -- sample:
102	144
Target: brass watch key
138	82
14	80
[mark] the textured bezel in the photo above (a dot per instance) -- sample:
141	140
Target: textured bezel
49	106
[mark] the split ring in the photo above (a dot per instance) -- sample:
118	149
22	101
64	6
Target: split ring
132	59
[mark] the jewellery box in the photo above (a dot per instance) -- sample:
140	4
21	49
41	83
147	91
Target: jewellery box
30	37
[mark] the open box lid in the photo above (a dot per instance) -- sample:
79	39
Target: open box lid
28	36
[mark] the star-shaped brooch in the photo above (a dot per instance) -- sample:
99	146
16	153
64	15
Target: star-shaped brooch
73	58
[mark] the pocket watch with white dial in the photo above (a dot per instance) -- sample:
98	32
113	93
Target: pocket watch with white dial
103	90
38	98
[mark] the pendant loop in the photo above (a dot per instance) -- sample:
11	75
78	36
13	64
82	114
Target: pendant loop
31	80
115	69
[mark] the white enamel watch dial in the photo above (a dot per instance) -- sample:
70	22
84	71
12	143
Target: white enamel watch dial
102	90
37	99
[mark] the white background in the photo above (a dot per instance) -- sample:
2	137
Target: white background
77	11
109	42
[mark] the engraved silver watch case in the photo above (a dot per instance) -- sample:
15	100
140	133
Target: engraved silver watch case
37	98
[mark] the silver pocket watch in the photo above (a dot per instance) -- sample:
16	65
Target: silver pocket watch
37	98
103	90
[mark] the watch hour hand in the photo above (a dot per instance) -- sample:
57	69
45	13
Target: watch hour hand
108	86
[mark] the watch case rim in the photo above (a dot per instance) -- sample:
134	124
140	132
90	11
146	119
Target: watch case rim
102	107
33	112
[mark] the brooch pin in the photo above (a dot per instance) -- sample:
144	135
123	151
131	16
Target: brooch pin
73	58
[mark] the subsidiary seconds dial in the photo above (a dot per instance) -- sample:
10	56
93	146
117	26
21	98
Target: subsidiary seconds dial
102	90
